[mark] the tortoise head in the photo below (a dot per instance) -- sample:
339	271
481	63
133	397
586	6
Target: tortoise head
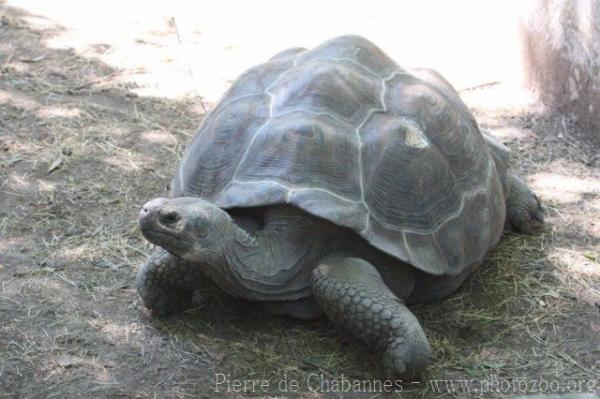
188	227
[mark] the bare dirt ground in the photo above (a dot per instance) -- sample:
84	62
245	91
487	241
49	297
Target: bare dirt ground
80	152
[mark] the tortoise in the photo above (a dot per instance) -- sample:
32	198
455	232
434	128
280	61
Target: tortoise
334	181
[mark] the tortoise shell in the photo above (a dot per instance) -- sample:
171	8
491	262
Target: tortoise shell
345	134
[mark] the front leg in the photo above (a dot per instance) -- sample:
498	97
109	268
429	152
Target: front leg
352	293
524	212
166	283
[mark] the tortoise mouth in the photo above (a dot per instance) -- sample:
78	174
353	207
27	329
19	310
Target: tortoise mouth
150	233
173	243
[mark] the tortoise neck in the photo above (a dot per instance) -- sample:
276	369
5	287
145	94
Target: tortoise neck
240	238
275	262
222	260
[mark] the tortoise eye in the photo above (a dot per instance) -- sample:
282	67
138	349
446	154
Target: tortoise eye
169	216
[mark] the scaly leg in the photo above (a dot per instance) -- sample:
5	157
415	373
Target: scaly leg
166	283
352	294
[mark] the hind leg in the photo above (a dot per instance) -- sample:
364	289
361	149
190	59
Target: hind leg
166	283
524	212
352	294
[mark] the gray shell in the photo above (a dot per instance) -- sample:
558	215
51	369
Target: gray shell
345	134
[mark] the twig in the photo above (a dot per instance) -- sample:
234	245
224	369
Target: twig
189	68
94	82
6	61
481	86
34	59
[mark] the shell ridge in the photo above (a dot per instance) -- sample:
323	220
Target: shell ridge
291	189
470	193
316	113
350	60
360	145
393	74
240	98
255	134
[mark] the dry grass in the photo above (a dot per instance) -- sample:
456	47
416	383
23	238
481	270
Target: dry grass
80	152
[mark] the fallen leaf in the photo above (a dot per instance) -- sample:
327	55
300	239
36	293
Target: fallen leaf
55	164
474	371
490	364
14	160
34	59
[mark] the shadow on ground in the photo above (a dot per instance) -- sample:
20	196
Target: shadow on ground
80	152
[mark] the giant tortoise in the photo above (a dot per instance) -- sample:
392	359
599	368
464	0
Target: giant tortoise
334	181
